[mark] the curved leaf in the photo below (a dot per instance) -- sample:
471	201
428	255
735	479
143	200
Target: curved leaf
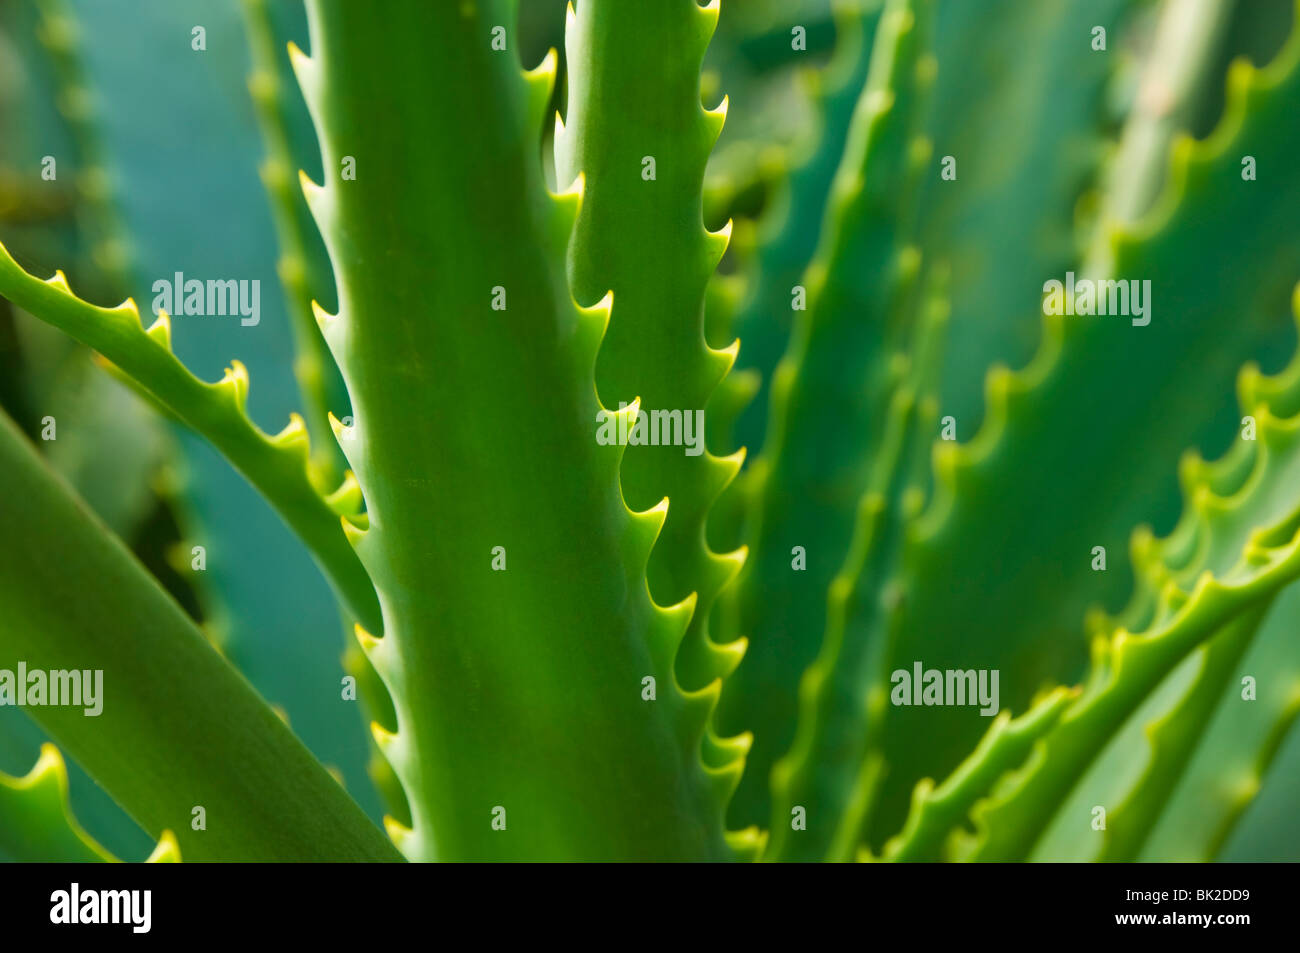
218	745
277	466
515	738
998	571
36	822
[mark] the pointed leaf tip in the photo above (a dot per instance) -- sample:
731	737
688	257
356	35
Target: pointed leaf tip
354	533
323	318
347	499
367	641
341	430
294	435
167	850
161	331
236	382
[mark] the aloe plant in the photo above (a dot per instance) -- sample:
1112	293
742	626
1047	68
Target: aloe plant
659	499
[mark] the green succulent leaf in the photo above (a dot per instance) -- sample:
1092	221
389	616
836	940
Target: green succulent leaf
276	465
1231	760
828	771
937	811
1198	629
806	490
461	410
1028	134
298	267
37	825
576	632
1159	737
789	230
989	605
1226	504
177	727
58	378
627	104
1128	669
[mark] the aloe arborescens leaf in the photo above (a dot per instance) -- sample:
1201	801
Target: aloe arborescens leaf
36	822
987	606
510	586
276	465
629	106
177	727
